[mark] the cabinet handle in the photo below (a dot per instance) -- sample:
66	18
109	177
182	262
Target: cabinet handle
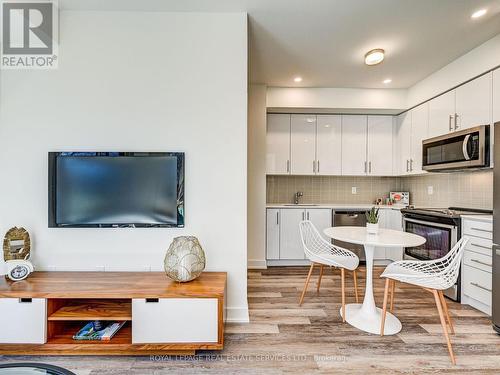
25	300
314	166
277	218
317	165
370	167
407	165
288	166
456	122
411	165
477	245
481	287
479	262
481	230
152	300
450	127
308	216
303	215
366	167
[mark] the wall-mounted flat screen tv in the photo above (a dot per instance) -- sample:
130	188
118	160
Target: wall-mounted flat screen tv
116	189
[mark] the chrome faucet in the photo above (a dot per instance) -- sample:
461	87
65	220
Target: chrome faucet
298	195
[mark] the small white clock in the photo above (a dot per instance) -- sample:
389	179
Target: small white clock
19	269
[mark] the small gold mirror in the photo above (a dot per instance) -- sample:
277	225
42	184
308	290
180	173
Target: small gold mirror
16	244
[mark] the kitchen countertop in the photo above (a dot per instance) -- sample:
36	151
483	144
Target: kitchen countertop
338	206
486	218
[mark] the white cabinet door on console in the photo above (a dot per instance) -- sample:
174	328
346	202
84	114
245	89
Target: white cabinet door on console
303	144
290	242
272	233
174	320
23	320
278	144
380	145
329	145
354	161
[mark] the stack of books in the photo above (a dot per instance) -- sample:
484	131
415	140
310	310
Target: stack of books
98	330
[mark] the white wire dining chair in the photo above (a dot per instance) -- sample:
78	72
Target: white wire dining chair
322	253
433	276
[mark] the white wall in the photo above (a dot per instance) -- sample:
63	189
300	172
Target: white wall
257	176
477	61
135	81
337	98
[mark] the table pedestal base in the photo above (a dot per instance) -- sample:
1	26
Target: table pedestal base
358	318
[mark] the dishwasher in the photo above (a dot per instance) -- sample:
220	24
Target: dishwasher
350	218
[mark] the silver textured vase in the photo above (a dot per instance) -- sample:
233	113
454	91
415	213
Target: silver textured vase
185	259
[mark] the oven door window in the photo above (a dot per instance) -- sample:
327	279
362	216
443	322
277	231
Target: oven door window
438	242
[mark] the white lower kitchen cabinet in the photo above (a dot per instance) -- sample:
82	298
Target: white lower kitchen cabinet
174	320
23	320
290	242
273	233
284	245
476	279
321	218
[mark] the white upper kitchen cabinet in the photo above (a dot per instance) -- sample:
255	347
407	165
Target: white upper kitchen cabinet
419	132
496	95
278	144
329	145
303	144
379	146
354	133
442	114
290	242
473	103
403	143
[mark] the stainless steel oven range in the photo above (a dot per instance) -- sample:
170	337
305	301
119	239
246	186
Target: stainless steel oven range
441	227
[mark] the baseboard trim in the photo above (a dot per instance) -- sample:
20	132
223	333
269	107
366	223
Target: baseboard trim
289	262
237	315
257	264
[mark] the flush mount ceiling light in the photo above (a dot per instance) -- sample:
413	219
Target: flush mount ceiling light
479	13
387	81
297	79
374	57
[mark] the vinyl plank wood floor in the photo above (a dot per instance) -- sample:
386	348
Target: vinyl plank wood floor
283	338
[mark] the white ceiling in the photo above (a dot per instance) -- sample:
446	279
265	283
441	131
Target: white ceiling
324	41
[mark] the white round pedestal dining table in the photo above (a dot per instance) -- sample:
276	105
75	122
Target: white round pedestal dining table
366	316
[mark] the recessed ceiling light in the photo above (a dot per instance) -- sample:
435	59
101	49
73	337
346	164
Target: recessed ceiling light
297	79
479	13
388	80
374	57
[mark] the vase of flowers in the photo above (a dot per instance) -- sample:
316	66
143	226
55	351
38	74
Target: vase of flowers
372	221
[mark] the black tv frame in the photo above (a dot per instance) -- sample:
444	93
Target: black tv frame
52	188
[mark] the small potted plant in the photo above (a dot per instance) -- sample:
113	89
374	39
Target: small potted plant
372	221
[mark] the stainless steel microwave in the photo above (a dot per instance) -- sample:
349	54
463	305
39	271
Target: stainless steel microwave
469	148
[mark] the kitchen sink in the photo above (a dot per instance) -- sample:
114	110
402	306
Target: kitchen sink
300	205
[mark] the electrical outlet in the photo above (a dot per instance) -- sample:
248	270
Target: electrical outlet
430	190
354	190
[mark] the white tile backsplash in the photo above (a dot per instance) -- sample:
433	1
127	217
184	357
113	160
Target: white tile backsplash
462	189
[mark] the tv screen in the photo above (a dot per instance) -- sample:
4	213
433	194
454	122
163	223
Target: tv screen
106	189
